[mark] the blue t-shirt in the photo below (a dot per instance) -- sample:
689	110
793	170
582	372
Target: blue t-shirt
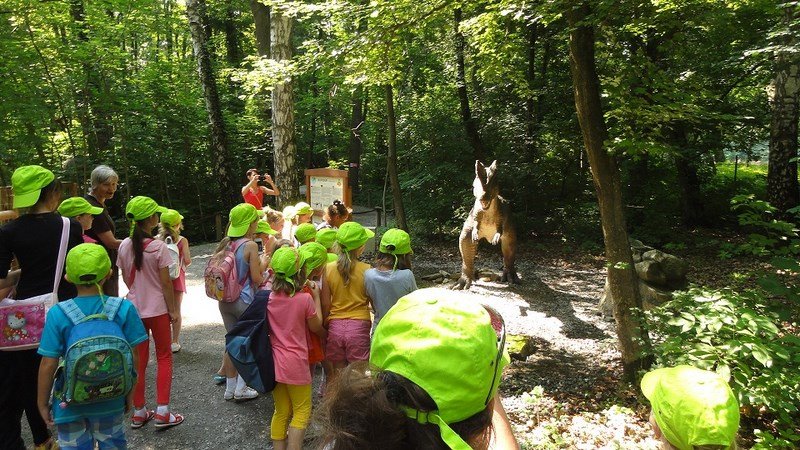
385	287
56	331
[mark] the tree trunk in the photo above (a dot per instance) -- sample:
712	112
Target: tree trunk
633	340
530	102
261	20
470	124
195	11
286	174
391	164
232	50
686	160
784	96
356	146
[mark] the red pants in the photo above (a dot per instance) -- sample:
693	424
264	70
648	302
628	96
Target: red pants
159	327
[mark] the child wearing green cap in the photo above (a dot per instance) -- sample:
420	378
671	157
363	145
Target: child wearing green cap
170	226
345	302
243	222
392	277
430	383
80	209
305	233
80	426
290	312
144	262
692	409
33	239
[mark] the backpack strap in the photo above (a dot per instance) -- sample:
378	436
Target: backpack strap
71	310
111	308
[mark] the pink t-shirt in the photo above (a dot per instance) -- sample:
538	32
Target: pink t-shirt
287	323
146	292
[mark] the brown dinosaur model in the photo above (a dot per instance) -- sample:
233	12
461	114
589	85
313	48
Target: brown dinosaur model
489	219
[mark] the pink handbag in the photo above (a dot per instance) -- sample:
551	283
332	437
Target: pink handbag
22	321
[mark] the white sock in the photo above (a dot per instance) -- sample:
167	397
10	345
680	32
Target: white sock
230	384
240	384
141	412
162	410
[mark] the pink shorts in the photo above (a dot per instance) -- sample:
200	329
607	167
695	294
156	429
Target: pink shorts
348	340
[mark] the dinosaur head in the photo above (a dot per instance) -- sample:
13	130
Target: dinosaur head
485	187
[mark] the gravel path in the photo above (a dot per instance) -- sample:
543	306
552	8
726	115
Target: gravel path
574	362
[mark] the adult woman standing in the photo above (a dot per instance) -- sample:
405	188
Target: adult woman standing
34	240
104	185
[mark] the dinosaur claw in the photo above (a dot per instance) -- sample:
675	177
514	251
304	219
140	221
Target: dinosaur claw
462	284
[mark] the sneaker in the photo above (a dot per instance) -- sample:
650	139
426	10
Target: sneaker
168	420
228	395
219	379
176	347
245	394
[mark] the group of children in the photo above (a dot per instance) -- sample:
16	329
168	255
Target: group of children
435	362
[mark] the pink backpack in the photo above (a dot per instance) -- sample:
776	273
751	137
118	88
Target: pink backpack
221	277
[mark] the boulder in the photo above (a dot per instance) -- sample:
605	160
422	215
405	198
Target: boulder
674	268
651	272
520	346
653	296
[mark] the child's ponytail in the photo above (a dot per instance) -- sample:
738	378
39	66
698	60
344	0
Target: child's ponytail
345	264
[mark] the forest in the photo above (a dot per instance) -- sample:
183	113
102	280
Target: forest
673	122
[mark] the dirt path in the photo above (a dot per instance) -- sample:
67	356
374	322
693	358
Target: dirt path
574	362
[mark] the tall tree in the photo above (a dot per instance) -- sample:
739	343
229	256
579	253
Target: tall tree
391	159
286	173
622	279
470	123
784	98
195	11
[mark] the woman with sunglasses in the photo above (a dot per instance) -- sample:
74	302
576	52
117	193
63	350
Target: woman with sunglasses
429	383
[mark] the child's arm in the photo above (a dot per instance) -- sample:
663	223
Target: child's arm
257	266
47	371
169	293
10	280
502	435
315	322
325	301
187	258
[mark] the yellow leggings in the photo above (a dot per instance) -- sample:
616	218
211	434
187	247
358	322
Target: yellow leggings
290	400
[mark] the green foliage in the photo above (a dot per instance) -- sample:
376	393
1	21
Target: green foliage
737	334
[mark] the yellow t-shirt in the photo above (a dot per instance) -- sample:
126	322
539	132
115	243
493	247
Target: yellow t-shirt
351	301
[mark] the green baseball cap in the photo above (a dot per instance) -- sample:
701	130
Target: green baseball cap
454	355
27	183
141	207
314	255
171	217
326	237
396	242
75	206
87	264
692	406
352	235
240	218
305	232
263	227
303	208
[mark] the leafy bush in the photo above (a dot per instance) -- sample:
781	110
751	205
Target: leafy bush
737	335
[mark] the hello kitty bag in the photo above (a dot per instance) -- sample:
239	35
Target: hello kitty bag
22	321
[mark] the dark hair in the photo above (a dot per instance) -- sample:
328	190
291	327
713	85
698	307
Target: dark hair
249	171
52	188
362	411
337	209
137	239
387	260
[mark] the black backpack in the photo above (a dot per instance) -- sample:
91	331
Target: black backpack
249	347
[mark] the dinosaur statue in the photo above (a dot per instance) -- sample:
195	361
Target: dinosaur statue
490	219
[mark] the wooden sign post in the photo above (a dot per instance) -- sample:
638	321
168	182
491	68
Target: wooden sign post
323	186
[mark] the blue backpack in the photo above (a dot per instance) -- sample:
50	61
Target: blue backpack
98	364
249	347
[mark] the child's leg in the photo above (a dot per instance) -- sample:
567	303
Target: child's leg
280	418
141	368
74	435
109	432
176	327
163	338
301	414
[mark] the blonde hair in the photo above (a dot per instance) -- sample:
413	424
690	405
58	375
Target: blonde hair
165	230
345	263
274	216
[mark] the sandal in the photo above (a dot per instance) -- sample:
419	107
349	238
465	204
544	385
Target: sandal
168	420
139	421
